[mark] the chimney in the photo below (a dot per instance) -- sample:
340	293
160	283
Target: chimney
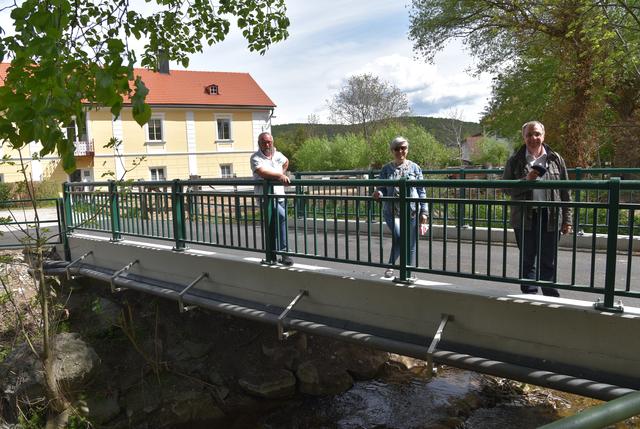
163	62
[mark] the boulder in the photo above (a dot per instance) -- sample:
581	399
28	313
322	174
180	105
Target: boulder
102	408
321	377
272	384
22	376
361	362
74	361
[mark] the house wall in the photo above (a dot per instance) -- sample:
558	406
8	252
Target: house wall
188	135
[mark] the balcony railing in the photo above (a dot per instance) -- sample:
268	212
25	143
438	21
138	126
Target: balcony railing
83	148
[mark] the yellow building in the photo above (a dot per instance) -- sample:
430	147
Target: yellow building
203	124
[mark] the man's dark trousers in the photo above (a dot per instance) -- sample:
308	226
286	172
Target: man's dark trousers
529	249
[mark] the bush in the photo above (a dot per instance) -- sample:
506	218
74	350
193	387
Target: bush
490	151
424	149
5	191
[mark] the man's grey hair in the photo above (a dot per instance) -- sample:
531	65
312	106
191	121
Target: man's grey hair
262	134
397	142
532	123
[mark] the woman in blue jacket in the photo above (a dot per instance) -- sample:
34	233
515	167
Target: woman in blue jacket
396	169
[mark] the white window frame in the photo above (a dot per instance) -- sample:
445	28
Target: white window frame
157	169
213	89
227	117
155	117
230	174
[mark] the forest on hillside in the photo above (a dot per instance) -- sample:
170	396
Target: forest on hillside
439	128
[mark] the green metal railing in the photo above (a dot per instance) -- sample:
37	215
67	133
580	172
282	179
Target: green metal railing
347	227
20	233
585	222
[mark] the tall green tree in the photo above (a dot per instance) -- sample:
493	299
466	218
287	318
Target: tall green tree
560	62
65	55
68	54
365	99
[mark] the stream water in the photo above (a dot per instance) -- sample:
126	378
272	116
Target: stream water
453	399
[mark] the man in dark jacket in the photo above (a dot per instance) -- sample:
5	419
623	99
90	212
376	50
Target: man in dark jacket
536	161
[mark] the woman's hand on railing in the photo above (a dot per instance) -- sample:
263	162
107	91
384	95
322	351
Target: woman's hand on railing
377	195
566	229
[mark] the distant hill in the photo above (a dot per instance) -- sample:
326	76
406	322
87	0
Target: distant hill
437	127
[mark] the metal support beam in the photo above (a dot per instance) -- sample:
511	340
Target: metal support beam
282	334
434	342
117	273
75	261
181	305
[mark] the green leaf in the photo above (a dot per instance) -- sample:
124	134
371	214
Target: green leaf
141	110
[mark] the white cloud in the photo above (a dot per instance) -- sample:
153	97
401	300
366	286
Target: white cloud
334	39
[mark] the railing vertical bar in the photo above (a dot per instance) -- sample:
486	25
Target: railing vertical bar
430	210
404	230
346	228
296	216
474	216
315	227
245	215
115	219
223	220
335	226
593	247
489	238
324	229
538	239
445	235
630	249
505	208
357	203
612	243
521	274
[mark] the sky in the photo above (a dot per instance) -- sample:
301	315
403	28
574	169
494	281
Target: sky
330	40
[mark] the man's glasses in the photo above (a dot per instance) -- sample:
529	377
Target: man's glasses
401	148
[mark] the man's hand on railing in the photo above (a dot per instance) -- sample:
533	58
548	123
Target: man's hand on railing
377	195
284	179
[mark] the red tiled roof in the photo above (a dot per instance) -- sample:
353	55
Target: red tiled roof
184	87
190	87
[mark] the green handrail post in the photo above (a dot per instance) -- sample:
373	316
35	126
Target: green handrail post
114	211
270	223
370	190
612	247
66	220
404	230
576	224
300	202
236	200
463	195
177	211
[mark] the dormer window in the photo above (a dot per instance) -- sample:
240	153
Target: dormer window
212	89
